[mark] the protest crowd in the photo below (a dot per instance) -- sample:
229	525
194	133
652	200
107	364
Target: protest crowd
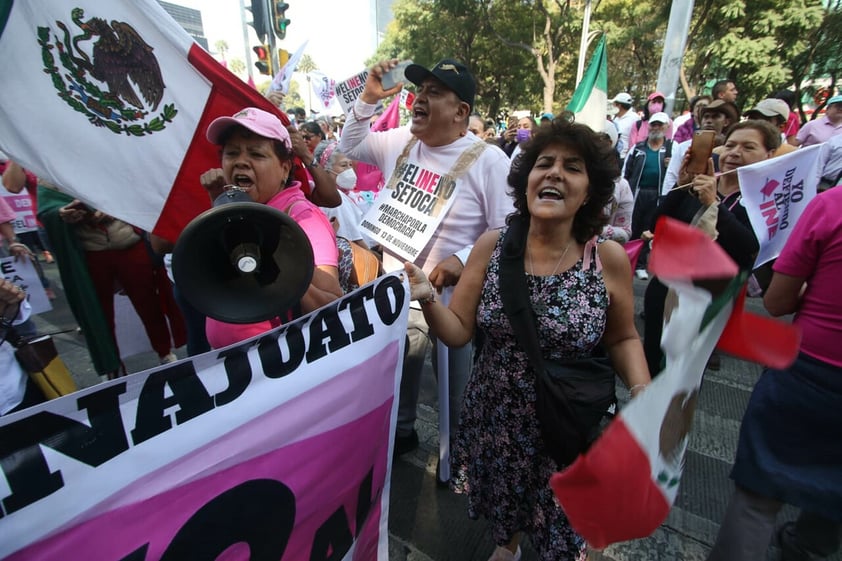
520	241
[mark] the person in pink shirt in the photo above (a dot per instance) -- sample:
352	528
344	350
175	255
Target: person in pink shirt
821	129
7	231
640	130
257	156
789	448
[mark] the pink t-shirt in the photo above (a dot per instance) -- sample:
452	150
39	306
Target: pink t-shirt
814	251
321	236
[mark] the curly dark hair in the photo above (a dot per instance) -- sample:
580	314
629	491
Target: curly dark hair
600	163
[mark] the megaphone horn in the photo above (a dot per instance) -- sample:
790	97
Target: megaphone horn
242	262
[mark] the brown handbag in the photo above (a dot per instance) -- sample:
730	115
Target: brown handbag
367	266
39	358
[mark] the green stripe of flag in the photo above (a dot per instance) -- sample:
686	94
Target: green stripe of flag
596	77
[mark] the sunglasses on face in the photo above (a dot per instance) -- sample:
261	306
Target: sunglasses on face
307	137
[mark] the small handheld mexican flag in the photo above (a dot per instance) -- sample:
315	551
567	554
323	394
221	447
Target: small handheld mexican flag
624	486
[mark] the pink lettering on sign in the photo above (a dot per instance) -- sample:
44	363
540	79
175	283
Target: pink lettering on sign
769	188
427	180
770	213
354	82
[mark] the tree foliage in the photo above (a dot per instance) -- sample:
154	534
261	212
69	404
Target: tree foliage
754	42
635	40
306	64
221	47
237	66
524	53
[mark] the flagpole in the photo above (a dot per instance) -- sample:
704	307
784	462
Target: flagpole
681	12
583	43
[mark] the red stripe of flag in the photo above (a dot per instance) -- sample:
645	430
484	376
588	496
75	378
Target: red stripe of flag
228	94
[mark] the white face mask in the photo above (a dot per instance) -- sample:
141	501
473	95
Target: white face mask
347	179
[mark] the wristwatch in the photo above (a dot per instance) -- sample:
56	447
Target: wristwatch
313	164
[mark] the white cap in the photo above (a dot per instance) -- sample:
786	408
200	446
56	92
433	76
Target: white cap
771	107
623	97
659	117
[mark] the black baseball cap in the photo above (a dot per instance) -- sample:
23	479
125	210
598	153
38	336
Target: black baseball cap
451	73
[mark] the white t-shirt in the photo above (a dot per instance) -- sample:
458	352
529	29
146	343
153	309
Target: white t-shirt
670	179
624	125
481	202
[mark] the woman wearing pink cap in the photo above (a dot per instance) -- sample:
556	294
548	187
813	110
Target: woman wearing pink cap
257	157
640	130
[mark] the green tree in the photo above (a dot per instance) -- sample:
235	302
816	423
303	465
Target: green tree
237	66
221	47
306	64
547	33
496	39
751	42
820	59
634	32
524	52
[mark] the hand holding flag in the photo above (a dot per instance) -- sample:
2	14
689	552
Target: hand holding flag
624	486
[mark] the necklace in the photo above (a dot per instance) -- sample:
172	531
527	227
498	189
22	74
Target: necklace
540	307
557	265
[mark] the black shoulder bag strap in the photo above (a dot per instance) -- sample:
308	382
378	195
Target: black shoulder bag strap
514	292
552	408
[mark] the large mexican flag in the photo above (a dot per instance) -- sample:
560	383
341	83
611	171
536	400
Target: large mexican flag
110	101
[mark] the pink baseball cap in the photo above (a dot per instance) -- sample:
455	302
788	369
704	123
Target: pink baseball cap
653	95
256	120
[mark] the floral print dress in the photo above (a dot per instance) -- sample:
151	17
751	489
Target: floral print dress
499	459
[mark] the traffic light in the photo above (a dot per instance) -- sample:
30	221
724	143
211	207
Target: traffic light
283	57
258	19
279	18
264	62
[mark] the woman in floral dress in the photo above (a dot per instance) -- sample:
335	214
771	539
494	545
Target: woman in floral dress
582	296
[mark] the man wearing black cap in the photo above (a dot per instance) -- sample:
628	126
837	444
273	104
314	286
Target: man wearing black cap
436	142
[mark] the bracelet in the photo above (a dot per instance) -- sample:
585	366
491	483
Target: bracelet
18	244
634	387
429	299
312	165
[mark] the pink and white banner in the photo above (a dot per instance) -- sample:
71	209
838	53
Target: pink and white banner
775	193
276	448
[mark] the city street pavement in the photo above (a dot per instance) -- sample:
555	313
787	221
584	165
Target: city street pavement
429	523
